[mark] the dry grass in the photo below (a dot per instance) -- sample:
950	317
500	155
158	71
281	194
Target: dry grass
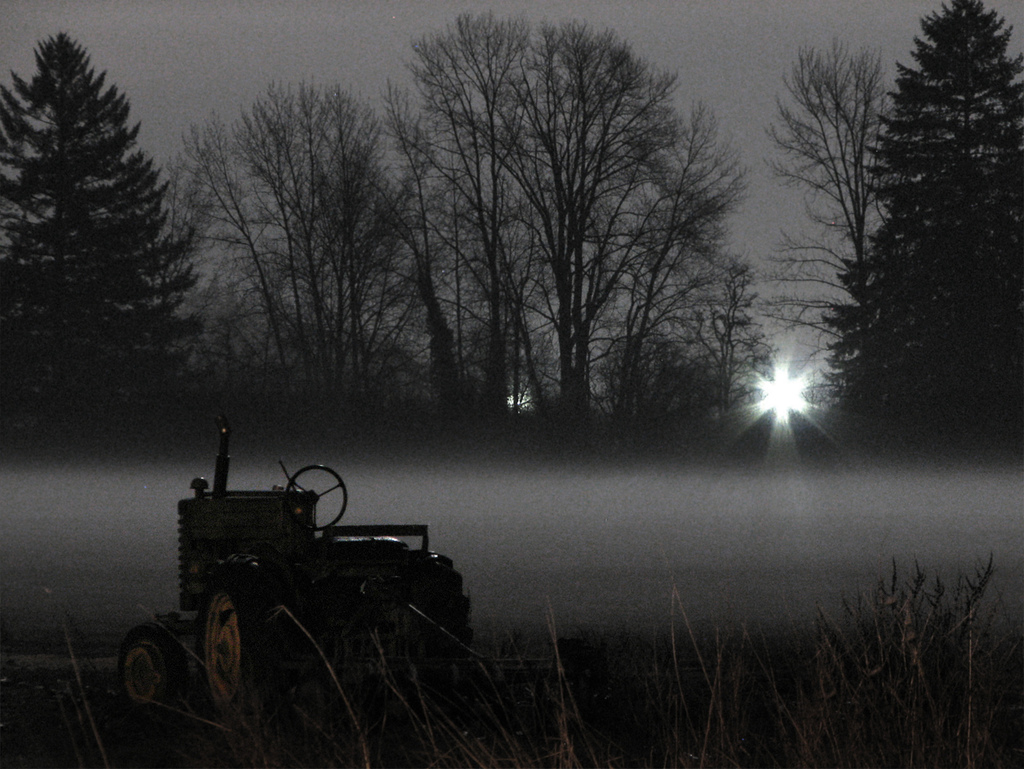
913	674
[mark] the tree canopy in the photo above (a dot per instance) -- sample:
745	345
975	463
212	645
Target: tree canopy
940	331
93	278
580	210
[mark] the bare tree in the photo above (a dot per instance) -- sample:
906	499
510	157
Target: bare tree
590	122
222	183
826	132
732	341
418	217
675	256
296	192
463	77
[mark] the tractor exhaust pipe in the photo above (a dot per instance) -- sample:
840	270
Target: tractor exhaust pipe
220	473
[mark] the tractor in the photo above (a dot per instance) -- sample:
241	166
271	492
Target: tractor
267	591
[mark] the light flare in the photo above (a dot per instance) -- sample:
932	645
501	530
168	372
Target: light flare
783	395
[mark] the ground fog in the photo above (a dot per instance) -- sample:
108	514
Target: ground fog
596	547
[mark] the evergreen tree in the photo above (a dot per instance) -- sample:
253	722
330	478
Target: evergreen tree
940	329
92	276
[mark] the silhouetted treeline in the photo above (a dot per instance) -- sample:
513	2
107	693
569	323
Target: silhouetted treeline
532	234
534	229
918	194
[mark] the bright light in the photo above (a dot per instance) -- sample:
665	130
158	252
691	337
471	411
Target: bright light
782	394
520	402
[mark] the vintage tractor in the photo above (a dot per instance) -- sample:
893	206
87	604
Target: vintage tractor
266	592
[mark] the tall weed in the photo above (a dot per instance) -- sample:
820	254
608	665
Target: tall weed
914	673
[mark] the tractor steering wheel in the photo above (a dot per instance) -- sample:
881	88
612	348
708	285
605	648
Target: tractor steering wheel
294	486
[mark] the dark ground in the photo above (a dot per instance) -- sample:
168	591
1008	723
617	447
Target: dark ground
52	708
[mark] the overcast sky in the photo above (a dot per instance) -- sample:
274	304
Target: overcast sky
180	60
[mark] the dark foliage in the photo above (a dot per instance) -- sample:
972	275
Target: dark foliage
937	328
92	279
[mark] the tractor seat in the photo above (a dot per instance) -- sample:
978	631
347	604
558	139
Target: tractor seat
365	549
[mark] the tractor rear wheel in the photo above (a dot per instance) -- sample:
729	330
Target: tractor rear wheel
152	666
237	638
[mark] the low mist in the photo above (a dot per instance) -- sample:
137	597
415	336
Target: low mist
599	547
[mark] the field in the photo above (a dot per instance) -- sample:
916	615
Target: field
914	673
737	616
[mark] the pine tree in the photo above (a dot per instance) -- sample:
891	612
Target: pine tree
92	278
941	331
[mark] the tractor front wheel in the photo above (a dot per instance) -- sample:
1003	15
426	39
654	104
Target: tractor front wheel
152	665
